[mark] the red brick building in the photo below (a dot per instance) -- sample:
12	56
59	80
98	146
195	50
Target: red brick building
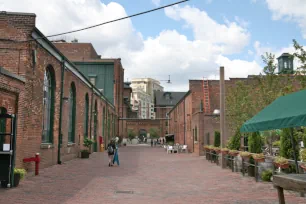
56	105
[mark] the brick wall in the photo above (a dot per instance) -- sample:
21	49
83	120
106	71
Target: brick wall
29	94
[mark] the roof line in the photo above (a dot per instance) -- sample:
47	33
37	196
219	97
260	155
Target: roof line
180	101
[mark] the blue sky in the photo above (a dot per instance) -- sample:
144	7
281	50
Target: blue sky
272	33
189	41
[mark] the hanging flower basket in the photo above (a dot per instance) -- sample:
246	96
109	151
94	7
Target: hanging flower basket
224	151
233	153
259	157
281	162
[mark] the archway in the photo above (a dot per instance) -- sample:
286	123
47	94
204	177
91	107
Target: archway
142	135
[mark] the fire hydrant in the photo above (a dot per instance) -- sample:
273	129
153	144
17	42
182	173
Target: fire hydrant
35	159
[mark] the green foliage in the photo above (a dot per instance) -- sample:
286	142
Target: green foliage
303	155
154	133
280	160
22	172
234	142
266	175
217	139
87	142
276	143
286	145
255	143
131	134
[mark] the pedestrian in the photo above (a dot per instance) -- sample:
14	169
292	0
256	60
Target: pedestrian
151	142
116	155
111	151
164	140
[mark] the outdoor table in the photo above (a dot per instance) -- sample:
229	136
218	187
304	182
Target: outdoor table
293	182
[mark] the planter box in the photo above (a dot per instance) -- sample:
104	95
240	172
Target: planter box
224	152
251	171
260	160
282	166
85	155
16	179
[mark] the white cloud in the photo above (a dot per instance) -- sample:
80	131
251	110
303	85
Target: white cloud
168	53
231	38
293	10
156	2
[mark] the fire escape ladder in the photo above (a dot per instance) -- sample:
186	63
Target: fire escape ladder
206	99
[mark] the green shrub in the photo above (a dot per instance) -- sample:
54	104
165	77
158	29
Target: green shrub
255	142
286	146
276	143
234	142
217	139
266	175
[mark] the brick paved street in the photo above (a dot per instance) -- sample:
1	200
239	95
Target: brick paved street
150	173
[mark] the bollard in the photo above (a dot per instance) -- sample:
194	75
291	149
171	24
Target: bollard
35	159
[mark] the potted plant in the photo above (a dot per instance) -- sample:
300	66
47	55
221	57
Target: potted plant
19	174
303	158
206	147
224	151
233	153
259	157
245	155
281	162
87	143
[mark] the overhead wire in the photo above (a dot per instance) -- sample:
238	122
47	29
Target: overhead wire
107	22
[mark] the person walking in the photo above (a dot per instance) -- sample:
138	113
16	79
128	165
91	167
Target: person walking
116	155
151	142
111	151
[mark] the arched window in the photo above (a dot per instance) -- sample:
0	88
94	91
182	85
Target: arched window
72	109
2	127
86	116
48	105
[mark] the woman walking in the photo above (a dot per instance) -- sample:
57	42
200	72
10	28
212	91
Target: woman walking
111	151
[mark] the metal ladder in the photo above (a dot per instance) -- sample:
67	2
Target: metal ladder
206	98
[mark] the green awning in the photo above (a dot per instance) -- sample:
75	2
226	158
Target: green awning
286	111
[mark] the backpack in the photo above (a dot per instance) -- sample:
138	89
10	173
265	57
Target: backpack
110	149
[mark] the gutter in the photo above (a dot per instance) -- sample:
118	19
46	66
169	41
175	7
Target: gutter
184	122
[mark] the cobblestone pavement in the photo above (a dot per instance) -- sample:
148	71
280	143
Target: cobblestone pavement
152	175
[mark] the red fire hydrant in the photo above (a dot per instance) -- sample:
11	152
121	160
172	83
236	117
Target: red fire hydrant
35	159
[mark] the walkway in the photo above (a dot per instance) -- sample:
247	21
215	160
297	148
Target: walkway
152	175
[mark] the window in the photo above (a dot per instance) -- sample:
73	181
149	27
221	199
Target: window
48	106
196	134
285	65
208	139
72	108
92	80
166	123
86	115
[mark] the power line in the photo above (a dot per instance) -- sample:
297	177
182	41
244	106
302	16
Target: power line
112	21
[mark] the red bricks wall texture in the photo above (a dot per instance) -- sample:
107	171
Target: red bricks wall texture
26	98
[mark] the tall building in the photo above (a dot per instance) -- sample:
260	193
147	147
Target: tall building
143	96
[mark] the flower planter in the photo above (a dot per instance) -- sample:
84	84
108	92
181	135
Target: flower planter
217	151
16	179
282	166
85	155
259	160
224	152
303	167
234	154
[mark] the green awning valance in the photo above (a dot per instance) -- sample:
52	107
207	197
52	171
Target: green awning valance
286	111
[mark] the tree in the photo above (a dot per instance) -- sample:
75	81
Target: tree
255	142
217	139
154	133
234	142
131	134
286	145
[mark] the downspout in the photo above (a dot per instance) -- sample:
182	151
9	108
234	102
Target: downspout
90	122
60	114
184	122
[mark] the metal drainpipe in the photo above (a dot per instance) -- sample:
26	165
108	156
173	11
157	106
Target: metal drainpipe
92	94
184	123
60	116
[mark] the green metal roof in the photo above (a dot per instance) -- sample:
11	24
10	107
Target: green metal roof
286	111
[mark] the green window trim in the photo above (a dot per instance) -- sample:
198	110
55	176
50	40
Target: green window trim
48	105
72	114
86	114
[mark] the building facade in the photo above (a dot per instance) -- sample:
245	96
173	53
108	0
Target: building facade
105	74
143	96
55	104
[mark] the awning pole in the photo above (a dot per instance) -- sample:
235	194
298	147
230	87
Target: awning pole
293	148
